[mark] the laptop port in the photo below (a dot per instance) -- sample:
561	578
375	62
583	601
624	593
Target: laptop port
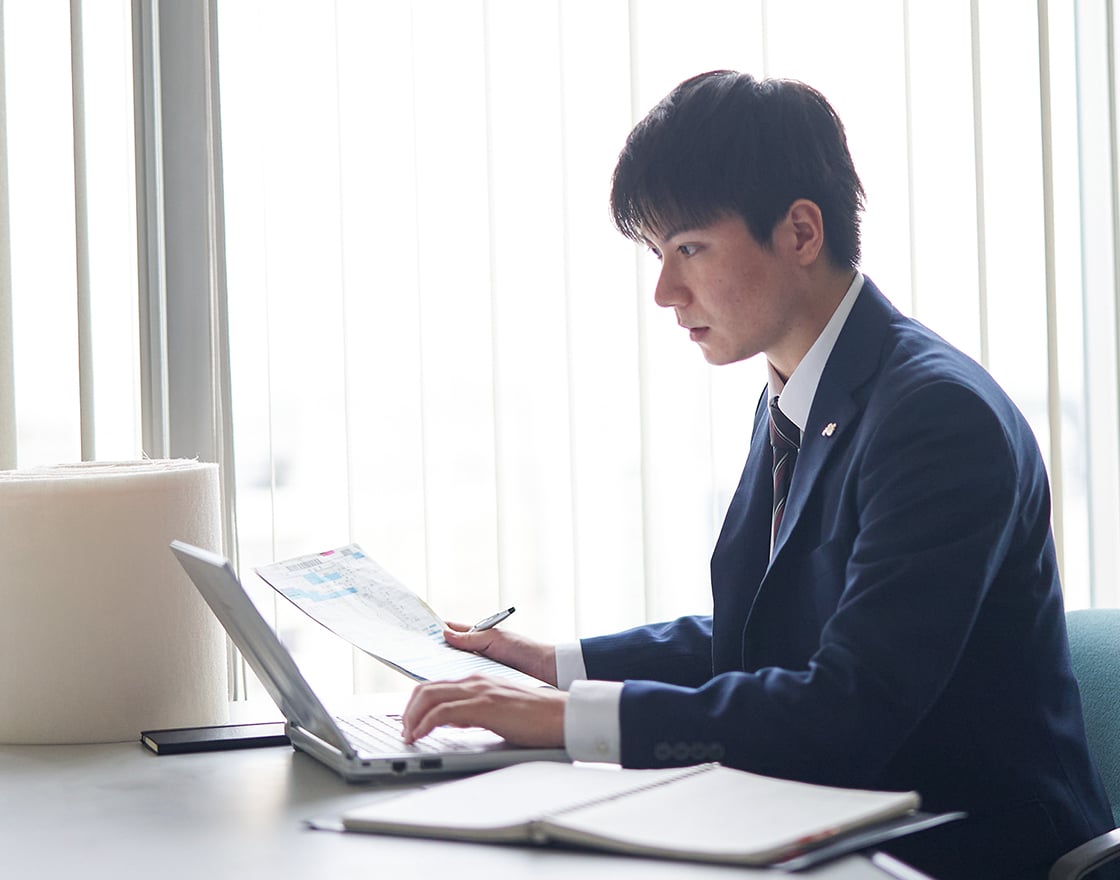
431	763
399	766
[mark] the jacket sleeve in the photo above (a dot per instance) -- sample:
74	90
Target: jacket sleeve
677	652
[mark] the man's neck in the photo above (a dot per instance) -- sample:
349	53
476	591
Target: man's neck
800	388
818	305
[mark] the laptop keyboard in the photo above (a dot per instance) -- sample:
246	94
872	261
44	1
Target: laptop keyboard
381	734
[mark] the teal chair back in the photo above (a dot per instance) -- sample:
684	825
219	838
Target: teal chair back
1094	643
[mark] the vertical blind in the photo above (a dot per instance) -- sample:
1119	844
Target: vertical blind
439	347
68	295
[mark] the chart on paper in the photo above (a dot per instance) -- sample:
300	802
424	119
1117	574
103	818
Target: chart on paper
351	595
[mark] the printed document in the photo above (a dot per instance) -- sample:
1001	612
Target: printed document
354	597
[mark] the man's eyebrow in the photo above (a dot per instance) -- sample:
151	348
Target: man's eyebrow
671	233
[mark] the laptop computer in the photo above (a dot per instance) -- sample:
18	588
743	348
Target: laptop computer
359	747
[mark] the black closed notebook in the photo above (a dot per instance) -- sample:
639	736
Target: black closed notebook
180	740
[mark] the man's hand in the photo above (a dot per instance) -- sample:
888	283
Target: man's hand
524	716
533	658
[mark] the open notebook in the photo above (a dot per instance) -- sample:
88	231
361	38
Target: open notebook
358	747
704	813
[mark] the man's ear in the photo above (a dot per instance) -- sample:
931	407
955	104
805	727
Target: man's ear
805	231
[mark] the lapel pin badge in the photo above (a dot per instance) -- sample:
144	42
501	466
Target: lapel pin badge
828	429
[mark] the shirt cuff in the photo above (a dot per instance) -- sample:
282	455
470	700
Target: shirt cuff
569	665
591	727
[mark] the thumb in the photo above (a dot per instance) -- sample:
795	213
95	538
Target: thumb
468	641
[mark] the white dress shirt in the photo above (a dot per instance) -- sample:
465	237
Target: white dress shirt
592	731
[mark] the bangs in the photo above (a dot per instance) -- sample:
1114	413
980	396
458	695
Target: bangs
657	201
658	214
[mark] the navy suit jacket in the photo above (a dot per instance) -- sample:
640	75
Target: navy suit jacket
909	631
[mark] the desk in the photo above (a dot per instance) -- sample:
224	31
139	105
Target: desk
118	811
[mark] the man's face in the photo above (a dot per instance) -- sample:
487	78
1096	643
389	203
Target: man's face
730	293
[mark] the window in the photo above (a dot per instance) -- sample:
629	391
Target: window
69	372
437	345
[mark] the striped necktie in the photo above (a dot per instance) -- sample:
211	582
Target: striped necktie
785	438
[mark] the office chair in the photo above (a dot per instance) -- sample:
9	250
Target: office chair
1094	643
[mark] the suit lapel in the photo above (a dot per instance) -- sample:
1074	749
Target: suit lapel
750	504
742	552
854	360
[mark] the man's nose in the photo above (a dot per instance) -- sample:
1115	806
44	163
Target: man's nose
669	291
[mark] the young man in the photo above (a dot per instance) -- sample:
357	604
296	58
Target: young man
891	616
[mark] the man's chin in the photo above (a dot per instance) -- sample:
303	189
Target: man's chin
719	358
715	357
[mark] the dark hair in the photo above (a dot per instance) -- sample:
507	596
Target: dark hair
725	143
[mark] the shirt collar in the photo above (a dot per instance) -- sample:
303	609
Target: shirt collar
800	388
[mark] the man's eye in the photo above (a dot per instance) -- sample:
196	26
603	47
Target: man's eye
656	253
688	249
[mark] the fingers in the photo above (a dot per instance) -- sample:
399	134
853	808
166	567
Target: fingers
523	716
434	704
470	641
534	658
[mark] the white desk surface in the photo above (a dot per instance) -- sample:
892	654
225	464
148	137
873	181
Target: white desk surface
119	811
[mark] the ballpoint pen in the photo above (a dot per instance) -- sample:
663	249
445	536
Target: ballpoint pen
492	620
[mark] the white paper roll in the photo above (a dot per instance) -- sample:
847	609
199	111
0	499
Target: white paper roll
102	634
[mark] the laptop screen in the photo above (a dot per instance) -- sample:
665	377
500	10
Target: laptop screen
216	581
